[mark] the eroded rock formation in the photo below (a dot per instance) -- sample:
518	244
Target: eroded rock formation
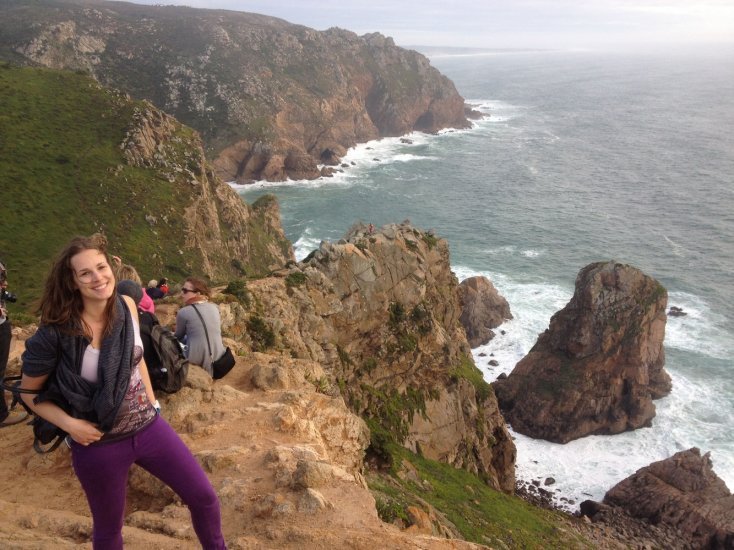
681	492
380	311
599	365
285	460
482	310
271	99
218	226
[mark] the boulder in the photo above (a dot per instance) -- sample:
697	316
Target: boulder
681	492
599	365
482	310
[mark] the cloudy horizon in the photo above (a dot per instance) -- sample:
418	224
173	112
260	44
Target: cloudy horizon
500	24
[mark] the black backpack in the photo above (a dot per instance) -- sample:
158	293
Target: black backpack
166	363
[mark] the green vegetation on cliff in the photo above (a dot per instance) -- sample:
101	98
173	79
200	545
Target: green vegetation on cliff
64	173
465	504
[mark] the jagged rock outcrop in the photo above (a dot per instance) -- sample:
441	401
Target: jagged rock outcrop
218	225
599	365
482	310
380	311
271	99
681	493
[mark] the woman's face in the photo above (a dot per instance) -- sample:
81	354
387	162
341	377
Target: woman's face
188	294
93	275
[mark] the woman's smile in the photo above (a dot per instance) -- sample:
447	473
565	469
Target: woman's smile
93	275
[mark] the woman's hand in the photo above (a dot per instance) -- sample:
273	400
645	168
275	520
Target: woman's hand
83	431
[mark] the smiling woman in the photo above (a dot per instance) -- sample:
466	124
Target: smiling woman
85	367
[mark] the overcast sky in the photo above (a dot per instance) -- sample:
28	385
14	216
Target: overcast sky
506	23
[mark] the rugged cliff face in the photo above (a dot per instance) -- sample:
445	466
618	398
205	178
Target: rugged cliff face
271	99
380	311
599	365
219	229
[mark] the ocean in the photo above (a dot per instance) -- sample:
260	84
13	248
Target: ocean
581	157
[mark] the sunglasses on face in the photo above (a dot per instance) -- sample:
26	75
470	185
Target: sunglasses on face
187	290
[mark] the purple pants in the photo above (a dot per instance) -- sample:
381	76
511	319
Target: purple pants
103	472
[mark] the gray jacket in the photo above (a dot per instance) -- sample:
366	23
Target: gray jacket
190	330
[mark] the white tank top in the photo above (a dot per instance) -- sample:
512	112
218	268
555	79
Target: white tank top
90	361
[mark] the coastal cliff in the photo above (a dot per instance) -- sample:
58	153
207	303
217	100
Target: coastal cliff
272	100
380	312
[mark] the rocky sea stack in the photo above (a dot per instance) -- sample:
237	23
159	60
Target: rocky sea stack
482	310
599	365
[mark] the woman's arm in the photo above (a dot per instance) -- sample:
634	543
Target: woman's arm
81	431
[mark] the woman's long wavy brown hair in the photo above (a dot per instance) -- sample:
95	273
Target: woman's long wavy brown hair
61	303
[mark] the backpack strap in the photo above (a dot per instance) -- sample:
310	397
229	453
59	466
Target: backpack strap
41	451
12	384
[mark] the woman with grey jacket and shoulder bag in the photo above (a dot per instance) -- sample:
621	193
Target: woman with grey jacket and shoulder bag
199	325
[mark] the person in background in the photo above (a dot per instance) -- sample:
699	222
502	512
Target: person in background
153	291
6	335
163	285
86	358
127	272
197	320
146	322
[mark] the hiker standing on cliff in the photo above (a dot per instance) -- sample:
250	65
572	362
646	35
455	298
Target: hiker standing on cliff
86	359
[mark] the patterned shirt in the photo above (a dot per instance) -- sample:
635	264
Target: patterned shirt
136	410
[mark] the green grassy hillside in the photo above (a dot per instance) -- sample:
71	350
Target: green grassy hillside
63	173
464	502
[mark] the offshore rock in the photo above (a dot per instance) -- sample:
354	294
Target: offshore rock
482	310
599	365
682	493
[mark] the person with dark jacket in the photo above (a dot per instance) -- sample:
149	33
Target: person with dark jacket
6	335
147	320
86	363
153	291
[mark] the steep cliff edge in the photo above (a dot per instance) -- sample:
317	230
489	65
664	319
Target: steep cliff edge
380	312
599	365
271	99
